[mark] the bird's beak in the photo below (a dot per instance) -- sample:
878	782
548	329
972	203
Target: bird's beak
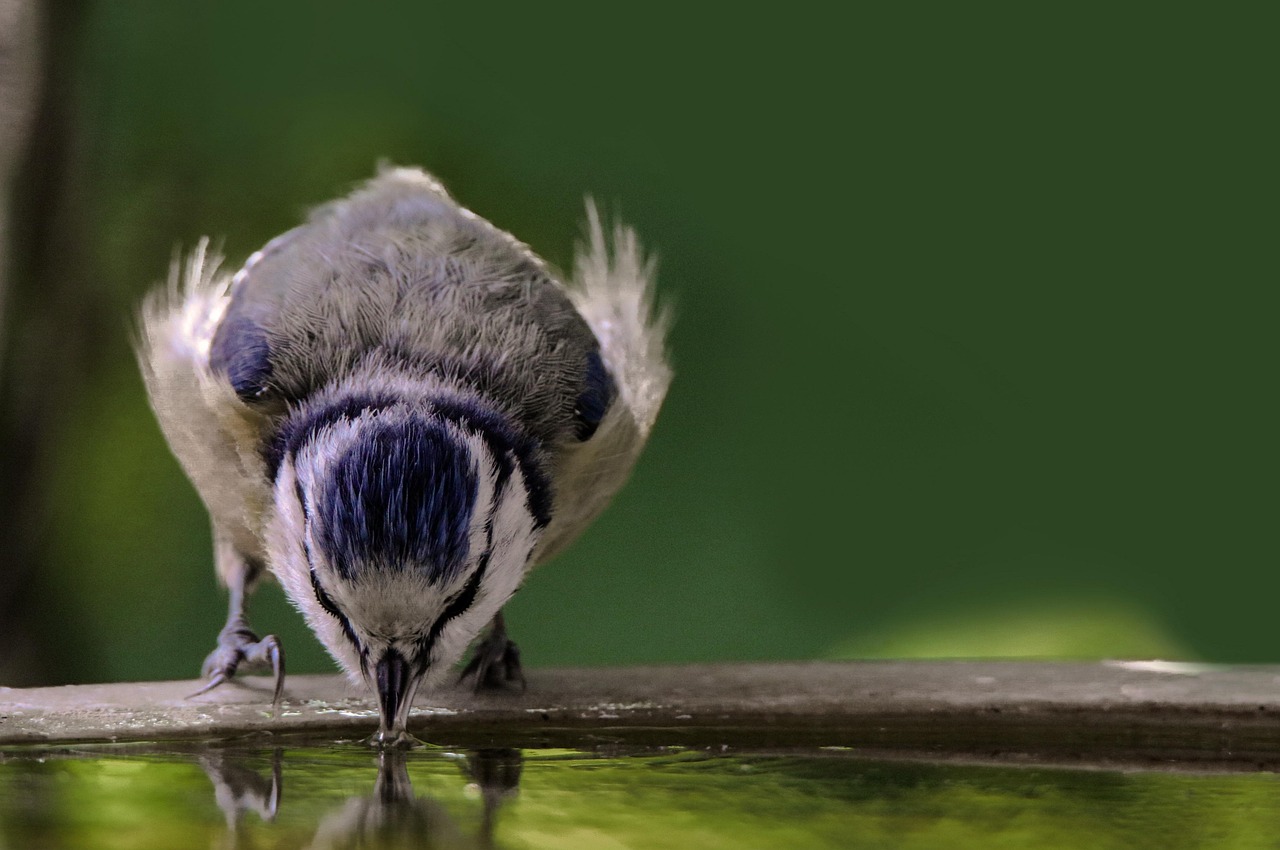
396	683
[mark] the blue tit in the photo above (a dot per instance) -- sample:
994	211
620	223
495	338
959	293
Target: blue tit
397	410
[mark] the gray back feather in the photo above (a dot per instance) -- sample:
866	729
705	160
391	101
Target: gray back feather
399	277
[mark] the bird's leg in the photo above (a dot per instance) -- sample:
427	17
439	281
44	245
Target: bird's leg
237	643
496	660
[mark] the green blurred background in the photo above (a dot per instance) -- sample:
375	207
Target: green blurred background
974	347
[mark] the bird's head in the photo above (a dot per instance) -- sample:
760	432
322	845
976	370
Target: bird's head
400	529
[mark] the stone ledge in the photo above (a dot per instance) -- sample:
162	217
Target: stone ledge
1156	711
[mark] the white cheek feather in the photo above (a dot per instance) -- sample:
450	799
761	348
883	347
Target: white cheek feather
514	536
513	539
486	473
286	536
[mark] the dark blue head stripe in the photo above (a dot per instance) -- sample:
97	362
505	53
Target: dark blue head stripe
468	415
298	430
400	497
502	441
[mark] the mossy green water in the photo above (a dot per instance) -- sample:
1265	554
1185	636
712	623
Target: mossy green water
339	797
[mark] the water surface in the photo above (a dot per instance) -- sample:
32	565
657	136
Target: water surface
343	795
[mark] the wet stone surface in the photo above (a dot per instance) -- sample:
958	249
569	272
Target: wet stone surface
1107	712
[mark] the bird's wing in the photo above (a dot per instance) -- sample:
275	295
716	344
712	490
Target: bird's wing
613	289
214	434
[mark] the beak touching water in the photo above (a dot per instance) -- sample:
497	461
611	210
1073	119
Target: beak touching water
396	682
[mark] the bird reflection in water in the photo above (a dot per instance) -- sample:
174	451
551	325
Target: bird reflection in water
495	773
239	789
393	816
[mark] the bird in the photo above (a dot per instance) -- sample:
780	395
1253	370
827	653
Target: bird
397	410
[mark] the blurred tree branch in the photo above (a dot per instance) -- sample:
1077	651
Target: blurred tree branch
42	338
19	71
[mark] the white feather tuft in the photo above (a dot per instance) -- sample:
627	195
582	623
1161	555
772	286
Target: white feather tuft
179	318
211	432
613	289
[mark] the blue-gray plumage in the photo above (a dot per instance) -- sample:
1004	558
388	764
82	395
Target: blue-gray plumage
399	410
370	278
241	352
597	393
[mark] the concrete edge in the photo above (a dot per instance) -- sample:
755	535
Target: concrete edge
1143	711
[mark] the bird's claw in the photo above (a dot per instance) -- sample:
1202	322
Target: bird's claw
217	679
241	646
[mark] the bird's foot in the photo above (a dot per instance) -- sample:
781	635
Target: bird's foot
238	645
495	663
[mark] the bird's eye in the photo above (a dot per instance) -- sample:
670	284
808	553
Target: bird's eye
455	608
326	602
331	608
